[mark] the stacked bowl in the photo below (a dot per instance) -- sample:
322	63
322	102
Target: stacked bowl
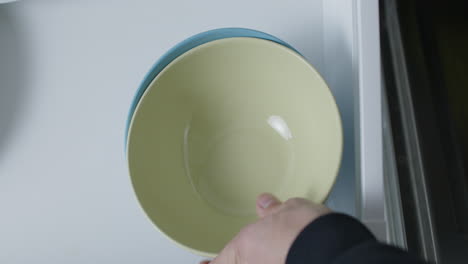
222	117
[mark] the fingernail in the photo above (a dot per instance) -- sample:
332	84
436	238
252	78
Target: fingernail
265	200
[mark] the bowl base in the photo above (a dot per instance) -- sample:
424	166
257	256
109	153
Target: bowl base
239	164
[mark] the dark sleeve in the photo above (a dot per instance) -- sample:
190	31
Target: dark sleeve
340	239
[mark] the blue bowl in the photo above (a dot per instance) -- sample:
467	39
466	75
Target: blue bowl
187	45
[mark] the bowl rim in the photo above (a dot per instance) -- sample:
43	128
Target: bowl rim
181	56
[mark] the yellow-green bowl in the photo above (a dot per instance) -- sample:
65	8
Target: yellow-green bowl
222	123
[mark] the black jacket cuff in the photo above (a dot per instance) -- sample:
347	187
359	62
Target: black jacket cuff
327	238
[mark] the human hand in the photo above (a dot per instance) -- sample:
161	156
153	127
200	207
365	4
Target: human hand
268	239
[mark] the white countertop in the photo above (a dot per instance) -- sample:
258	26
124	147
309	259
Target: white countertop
68	72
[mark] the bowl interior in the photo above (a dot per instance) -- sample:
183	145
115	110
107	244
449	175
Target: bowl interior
222	123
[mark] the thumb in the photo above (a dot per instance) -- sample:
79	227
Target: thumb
267	204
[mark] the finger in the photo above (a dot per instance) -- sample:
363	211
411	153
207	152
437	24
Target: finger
229	254
266	204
